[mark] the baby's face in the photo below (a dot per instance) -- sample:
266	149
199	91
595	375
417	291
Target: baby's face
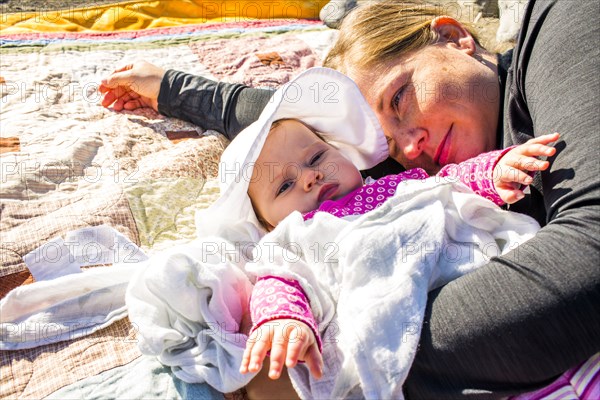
297	171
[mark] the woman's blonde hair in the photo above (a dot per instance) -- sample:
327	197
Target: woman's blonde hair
379	31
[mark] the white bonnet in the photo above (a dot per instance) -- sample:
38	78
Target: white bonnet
321	97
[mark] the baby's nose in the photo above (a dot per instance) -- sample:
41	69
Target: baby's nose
311	177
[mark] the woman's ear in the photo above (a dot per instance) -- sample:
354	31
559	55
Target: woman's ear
449	30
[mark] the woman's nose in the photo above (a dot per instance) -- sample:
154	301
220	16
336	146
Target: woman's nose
414	142
311	177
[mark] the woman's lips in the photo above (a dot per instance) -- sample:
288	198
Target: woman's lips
443	151
327	191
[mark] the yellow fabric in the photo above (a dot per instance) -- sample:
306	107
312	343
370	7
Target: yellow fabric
134	15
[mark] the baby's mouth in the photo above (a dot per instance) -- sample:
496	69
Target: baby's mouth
328	191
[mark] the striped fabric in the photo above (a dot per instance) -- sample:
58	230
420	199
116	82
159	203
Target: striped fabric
149	14
170	35
581	382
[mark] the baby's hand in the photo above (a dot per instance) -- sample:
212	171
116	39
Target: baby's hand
289	341
510	173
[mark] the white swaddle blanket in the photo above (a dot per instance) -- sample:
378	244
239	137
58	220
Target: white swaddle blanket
188	305
369	277
65	303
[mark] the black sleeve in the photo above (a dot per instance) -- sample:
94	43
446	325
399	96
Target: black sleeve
225	107
517	323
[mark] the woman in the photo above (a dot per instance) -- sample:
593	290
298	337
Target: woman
517	323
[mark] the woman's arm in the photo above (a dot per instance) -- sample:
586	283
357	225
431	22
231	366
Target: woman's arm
225	107
526	317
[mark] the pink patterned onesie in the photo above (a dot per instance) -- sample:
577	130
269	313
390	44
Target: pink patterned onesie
278	298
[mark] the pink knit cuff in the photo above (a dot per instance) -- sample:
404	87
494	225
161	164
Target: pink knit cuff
279	298
478	174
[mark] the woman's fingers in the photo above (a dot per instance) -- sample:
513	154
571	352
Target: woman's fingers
132	86
123	78
133	105
123	68
128	101
113	95
121	98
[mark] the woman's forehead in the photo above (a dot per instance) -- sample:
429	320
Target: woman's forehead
373	82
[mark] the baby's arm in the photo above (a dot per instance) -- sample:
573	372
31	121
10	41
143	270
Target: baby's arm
499	175
511	171
283	324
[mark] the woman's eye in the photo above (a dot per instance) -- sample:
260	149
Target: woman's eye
397	97
284	187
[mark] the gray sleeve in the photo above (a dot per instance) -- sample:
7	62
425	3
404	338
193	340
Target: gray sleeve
517	323
225	107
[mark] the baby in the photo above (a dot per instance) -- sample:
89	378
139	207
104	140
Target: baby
296	218
297	170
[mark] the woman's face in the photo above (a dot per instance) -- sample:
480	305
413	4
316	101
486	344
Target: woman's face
437	105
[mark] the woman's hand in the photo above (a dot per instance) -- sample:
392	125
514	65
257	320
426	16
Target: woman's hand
289	341
511	171
133	86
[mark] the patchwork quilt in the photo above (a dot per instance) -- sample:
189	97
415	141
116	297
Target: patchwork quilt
67	163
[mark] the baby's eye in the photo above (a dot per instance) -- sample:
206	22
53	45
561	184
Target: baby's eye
284	187
316	158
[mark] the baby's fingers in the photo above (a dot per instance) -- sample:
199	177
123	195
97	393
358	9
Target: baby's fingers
246	357
278	355
314	361
545	139
298	342
538	147
256	350
508	175
524	163
535	150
